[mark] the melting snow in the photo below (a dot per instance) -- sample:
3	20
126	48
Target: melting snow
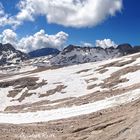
61	113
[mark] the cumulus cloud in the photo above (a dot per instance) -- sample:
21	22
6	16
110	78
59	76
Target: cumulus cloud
9	35
86	44
37	41
74	13
106	43
42	40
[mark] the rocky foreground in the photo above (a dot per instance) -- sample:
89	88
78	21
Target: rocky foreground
92	101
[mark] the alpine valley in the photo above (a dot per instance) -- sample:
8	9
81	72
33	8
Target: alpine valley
79	93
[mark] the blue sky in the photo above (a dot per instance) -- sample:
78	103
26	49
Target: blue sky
122	27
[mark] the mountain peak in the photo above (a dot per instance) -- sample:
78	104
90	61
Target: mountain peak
44	52
124	46
8	54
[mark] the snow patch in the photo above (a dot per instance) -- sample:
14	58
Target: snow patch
62	113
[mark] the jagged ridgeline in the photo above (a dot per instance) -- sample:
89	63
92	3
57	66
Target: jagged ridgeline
9	55
68	56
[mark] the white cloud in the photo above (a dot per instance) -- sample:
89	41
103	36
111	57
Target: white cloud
6	19
9	35
106	43
37	41
74	13
41	40
86	44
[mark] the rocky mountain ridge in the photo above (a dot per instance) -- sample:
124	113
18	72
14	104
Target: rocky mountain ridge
9	55
68	56
76	54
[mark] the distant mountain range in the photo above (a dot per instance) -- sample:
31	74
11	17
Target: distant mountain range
76	54
68	56
44	52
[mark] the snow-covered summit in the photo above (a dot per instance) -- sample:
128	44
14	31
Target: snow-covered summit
76	54
8	54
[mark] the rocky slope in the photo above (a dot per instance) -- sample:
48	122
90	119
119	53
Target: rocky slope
96	100
126	49
77	55
9	55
